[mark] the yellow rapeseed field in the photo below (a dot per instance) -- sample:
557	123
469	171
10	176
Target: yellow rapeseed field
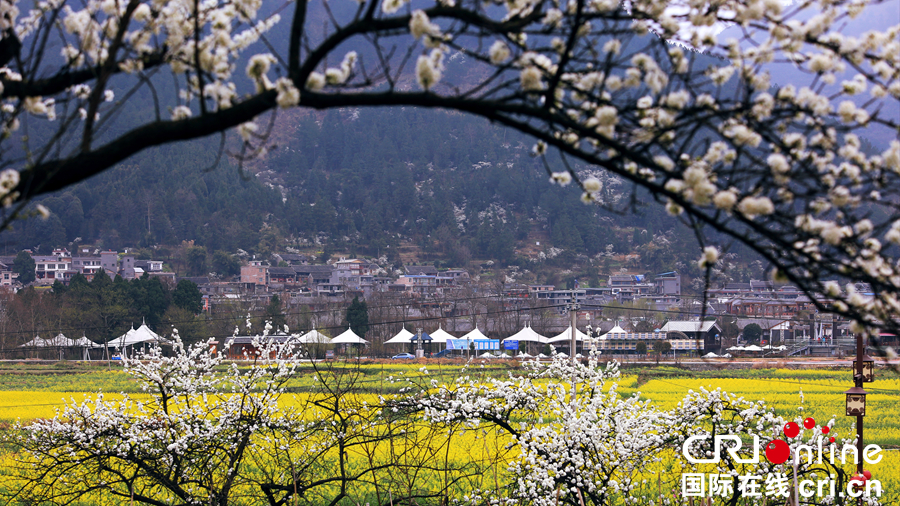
822	398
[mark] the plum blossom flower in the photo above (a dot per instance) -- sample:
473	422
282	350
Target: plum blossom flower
181	112
752	207
561	178
531	79
420	25
592	185
288	94
709	257
429	68
315	81
499	52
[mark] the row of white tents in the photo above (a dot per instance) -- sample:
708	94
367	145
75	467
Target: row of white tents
140	335
134	336
756	348
440	336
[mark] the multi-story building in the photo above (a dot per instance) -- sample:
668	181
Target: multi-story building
51	267
255	273
88	266
7	276
668	283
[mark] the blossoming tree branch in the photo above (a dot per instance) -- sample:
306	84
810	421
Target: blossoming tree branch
780	167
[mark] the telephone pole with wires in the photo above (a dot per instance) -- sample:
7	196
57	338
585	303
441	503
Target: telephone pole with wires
573	317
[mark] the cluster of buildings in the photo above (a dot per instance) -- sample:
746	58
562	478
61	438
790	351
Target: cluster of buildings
348	276
782	311
61	265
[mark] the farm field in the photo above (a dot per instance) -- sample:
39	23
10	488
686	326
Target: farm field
37	392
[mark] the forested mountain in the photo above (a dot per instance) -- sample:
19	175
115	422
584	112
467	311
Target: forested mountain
362	180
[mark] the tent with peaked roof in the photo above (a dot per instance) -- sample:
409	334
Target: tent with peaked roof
566	336
440	336
140	335
135	336
34	343
314	337
348	337
402	337
475	334
84	342
612	332
59	340
527	334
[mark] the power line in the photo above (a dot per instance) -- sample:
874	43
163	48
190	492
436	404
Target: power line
238	318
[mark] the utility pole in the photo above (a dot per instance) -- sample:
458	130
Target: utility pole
858	381
573	308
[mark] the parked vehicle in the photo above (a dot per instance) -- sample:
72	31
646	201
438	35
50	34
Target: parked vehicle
442	353
403	356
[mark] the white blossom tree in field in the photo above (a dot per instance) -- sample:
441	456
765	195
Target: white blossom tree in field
590	445
648	90
210	433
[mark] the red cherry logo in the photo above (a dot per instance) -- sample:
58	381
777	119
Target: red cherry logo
858	481
777	451
809	423
867	474
791	429
825	430
831	439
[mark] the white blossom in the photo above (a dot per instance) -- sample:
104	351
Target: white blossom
499	52
531	79
756	206
429	68
709	257
288	94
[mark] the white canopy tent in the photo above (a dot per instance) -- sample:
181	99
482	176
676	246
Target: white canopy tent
566	336
349	337
86	345
440	336
527	334
37	342
474	335
615	330
402	337
314	337
752	347
59	340
141	335
83	341
710	355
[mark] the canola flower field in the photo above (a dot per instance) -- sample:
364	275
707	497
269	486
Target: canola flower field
28	393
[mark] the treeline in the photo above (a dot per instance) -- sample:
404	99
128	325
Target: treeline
101	309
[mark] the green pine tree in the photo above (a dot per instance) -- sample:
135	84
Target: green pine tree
358	317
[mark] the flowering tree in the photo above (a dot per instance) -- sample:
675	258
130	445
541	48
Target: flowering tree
215	434
588	445
781	168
